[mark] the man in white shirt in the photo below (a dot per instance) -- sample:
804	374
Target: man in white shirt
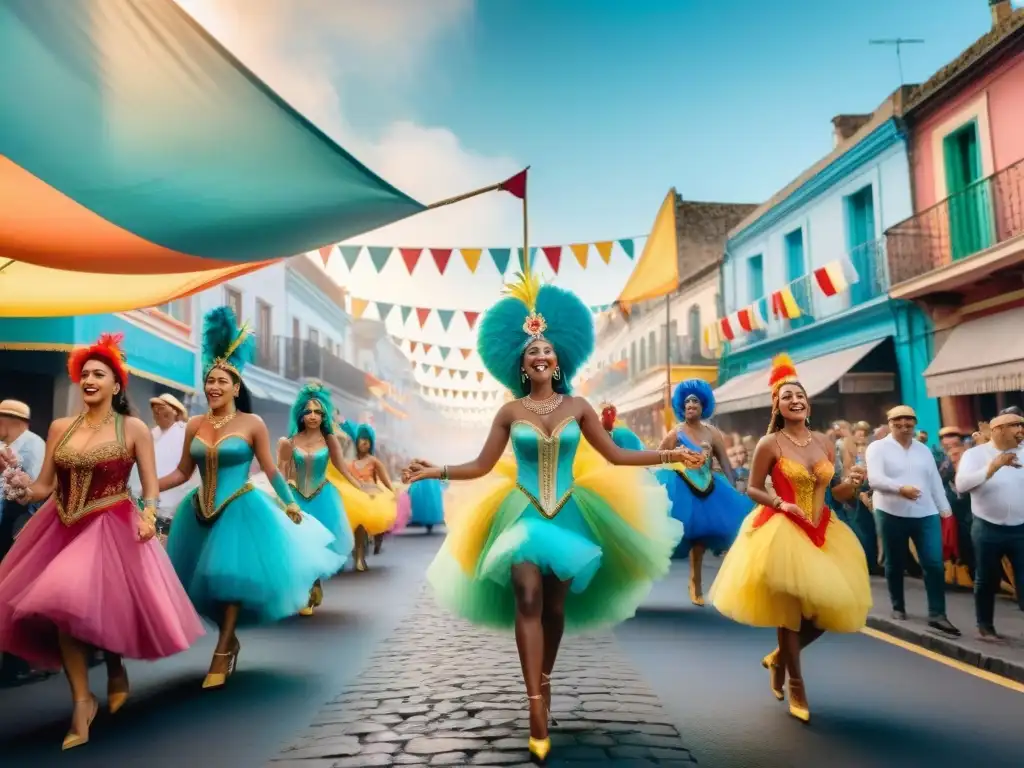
991	474
30	449
170	417
909	499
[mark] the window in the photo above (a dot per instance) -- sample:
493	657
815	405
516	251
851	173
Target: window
796	267
652	347
632	358
693	330
233	299
296	328
314	337
755	290
860	237
970	205
180	310
265	335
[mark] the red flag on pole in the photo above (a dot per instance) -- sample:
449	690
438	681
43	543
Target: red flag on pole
516	185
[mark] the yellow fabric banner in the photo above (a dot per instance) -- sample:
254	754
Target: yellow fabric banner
472	257
580	250
657	270
27	290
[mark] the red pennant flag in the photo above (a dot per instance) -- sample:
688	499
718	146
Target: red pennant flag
441	256
516	185
727	330
471	318
427	348
422	315
554	254
411	257
325	253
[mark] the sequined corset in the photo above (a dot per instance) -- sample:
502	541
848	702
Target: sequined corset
795	483
700	480
364	475
224	468
544	463
92	480
310	472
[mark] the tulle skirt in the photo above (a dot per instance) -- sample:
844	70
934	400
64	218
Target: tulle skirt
253	555
427	501
95	581
404	513
712	520
377	514
611	541
326	508
775	576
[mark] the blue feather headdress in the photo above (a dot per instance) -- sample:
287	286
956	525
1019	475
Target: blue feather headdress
313	390
225	344
530	311
699	389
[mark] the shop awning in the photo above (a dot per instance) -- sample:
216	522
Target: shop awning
980	356
644	394
750	390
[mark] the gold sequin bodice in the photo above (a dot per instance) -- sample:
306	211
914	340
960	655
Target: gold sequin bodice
92	480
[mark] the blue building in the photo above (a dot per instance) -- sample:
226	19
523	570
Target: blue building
855	350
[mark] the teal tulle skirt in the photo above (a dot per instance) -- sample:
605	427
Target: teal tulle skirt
253	555
326	507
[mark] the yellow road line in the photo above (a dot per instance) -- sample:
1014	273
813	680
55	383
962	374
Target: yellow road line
984	674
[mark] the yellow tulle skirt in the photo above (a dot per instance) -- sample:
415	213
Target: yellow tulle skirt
774	576
376	514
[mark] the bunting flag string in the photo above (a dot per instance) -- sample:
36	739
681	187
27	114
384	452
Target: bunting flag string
381	255
454	393
358	309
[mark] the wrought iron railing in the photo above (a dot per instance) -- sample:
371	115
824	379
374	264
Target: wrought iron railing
301	359
988	212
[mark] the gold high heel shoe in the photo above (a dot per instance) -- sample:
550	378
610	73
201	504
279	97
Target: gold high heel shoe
73	739
798	707
116	697
539	748
776	674
219	679
306	611
546	681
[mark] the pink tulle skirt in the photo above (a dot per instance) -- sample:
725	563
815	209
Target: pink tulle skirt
404	512
96	582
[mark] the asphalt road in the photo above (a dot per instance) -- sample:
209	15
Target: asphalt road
873	703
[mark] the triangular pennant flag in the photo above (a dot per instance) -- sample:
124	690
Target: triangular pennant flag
445	351
446	316
444	392
379	255
325	253
465	394
422	315
466	353
412	346
464	374
359	307
472	257
441	257
476	395
384	309
628	246
554	254
605	249
410	256
522	261
580	250
406	311
500	257
480	376
425	367
437	370
350	253
471	318
426	347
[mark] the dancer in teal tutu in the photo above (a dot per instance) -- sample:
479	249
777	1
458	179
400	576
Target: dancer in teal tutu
622	436
706	503
303	457
242	556
427	501
566	533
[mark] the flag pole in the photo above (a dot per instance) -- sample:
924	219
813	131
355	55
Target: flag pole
526	240
668	362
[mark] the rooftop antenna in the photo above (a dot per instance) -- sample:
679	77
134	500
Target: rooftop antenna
898	42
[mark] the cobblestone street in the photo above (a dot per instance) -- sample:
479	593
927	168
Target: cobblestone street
442	692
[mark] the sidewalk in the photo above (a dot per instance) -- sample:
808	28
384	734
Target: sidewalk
443	692
1006	658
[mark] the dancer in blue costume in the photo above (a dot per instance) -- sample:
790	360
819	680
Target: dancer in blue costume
706	503
556	535
303	457
242	556
427	501
621	435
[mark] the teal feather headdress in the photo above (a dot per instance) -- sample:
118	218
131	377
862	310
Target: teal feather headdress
225	344
313	390
529	311
348	428
365	431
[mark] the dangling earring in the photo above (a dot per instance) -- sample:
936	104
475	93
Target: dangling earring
524	377
807	422
557	374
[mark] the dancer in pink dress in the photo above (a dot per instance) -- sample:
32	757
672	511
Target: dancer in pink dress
85	572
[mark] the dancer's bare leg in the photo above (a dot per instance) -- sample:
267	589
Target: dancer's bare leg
528	586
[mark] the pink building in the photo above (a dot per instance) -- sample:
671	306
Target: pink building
962	253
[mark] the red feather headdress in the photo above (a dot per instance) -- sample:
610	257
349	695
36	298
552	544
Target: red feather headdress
108	349
783	372
608	415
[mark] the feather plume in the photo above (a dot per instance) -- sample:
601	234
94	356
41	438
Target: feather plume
783	371
224	340
313	390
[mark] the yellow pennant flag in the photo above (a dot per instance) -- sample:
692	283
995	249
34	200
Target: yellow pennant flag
359	307
472	257
605	250
580	252
657	270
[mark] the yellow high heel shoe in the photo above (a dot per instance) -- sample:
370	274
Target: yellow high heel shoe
798	707
546	681
307	611
219	679
539	748
776	674
118	690
73	739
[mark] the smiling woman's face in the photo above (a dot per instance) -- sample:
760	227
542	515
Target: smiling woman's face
97	382
220	388
539	361
793	403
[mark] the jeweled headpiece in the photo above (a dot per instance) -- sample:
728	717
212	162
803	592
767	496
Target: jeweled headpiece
108	349
313	392
226	345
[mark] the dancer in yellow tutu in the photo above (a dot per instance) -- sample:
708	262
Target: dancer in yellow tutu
793	565
372	506
554	536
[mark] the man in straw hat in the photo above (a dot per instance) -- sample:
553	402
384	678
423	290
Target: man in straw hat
991	474
29	449
170	417
909	498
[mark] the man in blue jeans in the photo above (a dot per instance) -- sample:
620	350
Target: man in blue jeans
909	498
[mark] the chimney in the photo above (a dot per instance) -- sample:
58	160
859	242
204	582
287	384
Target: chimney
1001	10
844	126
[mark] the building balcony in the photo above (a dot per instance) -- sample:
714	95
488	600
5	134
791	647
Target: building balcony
959	239
299	360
